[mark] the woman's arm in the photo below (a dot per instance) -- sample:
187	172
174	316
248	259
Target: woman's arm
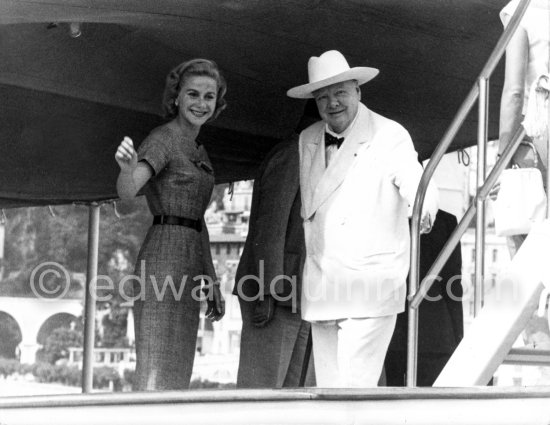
214	298
511	102
208	264
133	174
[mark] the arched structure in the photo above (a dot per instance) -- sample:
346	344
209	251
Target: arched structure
10	336
31	314
58	320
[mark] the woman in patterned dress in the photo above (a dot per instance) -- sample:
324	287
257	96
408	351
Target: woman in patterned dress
177	179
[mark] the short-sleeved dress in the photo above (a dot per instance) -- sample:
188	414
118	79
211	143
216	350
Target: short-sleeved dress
171	260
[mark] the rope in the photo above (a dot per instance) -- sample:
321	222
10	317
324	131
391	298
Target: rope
463	157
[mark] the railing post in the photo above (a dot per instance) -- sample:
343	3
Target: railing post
412	345
90	297
483	112
414	275
441	149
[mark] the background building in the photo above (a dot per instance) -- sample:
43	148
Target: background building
218	343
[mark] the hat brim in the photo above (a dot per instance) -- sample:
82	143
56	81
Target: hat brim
361	73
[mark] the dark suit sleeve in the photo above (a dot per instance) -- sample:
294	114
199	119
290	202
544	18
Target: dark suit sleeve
273	195
440	324
247	265
451	275
280	184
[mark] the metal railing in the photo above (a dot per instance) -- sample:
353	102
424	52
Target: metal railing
480	92
528	357
90	307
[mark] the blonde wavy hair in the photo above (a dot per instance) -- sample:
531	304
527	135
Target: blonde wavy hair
193	67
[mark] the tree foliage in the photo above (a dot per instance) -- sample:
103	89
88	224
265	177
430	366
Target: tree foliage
35	236
58	344
114	327
10	336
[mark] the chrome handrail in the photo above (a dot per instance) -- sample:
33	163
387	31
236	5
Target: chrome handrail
482	131
441	149
453	240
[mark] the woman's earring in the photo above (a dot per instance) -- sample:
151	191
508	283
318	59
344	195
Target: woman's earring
176	102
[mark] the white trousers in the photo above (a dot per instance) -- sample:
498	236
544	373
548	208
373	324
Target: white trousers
351	352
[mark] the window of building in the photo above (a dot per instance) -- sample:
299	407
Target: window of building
232	263
217	249
228	249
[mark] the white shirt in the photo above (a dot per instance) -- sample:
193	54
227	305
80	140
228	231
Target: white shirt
332	150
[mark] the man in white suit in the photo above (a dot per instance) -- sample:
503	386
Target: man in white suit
359	173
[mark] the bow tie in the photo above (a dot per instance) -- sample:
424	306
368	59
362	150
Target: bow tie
332	140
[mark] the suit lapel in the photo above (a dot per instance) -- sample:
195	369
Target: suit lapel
314	168
333	176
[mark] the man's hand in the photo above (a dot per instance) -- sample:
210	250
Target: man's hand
263	311
426	223
215	302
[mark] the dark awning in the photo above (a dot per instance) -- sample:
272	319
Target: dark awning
67	102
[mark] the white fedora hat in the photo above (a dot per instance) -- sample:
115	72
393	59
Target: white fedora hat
330	68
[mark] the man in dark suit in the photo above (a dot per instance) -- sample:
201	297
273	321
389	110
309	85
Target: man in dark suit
440	326
275	341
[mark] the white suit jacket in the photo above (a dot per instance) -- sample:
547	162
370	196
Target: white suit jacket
355	219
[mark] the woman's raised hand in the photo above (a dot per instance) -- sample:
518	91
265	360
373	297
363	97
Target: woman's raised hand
126	156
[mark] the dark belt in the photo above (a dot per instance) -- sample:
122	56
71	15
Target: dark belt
178	221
